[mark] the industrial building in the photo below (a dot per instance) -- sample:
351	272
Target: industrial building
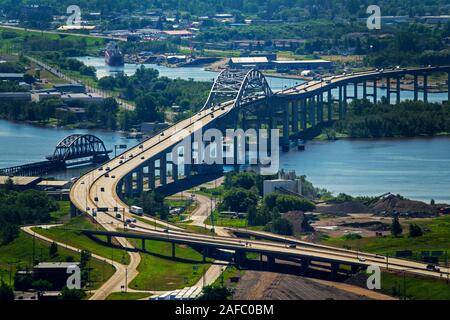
288	65
249	62
11	76
70	88
15	96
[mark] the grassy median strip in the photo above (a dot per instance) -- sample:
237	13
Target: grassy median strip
158	271
71	235
128	295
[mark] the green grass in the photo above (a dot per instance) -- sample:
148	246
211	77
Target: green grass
19	255
161	273
436	237
417	287
226	221
128	296
230	272
64	210
71	235
197	229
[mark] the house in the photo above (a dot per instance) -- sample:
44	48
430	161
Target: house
288	65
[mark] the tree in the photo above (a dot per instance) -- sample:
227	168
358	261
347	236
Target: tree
53	249
282	226
415	231
6	292
239	200
215	293
42	285
72	294
396	227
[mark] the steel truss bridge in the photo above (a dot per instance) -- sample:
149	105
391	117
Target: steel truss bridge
74	150
239	99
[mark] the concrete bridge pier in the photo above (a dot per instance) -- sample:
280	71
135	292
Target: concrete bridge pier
334	269
375	99
303	117
312	111
425	88
330	106
355	90
285	143
294	105
344	109
143	244
416	88
173	249
388	90
120	188
448	86
140	180
304	265
270	262
174	171
239	257
341	104
320	107
151	174
364	84
398	90
128	181
163	170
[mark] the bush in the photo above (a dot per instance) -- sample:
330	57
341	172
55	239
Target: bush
6	292
284	203
415	231
281	226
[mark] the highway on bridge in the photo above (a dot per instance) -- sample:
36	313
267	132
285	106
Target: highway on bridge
96	190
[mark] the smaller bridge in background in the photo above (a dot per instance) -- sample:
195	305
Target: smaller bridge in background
74	150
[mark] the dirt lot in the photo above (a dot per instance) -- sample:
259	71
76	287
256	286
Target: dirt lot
261	285
363	224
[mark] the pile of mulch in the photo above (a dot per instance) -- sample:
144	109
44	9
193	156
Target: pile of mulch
411	208
343	208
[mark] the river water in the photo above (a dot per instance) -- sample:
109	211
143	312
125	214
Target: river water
416	168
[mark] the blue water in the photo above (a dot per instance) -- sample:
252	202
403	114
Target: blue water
417	168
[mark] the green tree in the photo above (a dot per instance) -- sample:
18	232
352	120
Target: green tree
72	294
53	249
415	231
281	226
396	227
215	293
6	292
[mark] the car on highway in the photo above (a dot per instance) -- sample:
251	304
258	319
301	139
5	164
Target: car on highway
100	169
132	225
292	246
432	267
362	259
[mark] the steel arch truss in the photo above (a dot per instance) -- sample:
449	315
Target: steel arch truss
237	86
78	146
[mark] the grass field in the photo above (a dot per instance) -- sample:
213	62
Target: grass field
163	273
417	287
70	235
227	221
436	237
64	210
128	296
19	255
